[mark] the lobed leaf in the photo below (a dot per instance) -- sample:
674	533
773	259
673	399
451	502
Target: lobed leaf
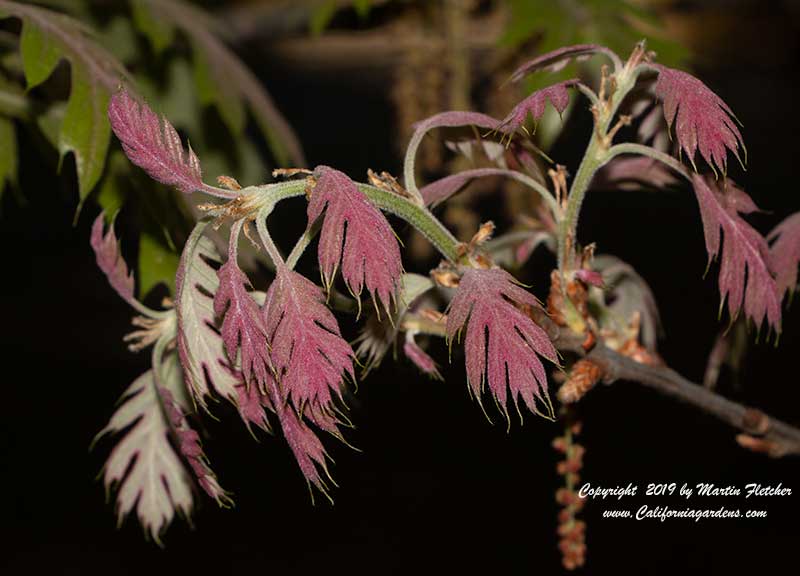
109	259
503	344
149	474
556	60
200	346
368	250
153	144
308	352
243	327
534	105
744	277
785	253
703	122
47	38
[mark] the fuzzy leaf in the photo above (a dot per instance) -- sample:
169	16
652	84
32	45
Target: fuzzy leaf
46	38
502	343
109	259
224	81
243	327
420	358
454	119
251	404
704	122
745	254
304	443
557	59
534	105
153	144
634	173
157	484
440	190
368	251
309	354
785	252
200	346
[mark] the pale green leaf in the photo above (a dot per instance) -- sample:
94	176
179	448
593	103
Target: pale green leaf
41	53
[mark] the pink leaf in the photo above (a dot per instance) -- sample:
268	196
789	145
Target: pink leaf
440	190
704	121
152	143
534	104
309	354
744	255
368	250
502	344
455	119
634	173
420	358
251	404
557	59
110	261
188	442
304	443
243	326
785	252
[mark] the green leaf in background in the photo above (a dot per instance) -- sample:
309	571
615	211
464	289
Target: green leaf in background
86	131
158	264
159	32
223	81
120	39
47	37
322	16
362	7
8	154
111	192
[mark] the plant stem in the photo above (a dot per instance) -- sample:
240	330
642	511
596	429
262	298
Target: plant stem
596	155
301	245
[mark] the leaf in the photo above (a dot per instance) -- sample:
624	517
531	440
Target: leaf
368	251
153	144
420	358
704	122
149	474
46	38
8	154
159	32
785	252
377	337
556	60
243	328
628	295
157	264
534	105
109	259
634	173
745	254
321	17
224	81
454	119
503	344
199	344
308	351
304	443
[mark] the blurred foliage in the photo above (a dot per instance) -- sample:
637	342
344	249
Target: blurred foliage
166	50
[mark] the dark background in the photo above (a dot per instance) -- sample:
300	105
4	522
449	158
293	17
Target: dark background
436	488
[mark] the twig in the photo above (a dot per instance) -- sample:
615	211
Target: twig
761	432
